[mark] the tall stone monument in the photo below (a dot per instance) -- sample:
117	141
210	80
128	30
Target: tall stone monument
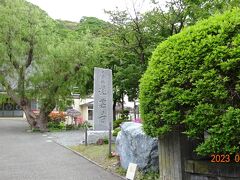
103	99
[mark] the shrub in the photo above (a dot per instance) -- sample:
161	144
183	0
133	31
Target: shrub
57	116
105	140
55	126
193	81
117	123
79	120
124	115
115	132
86	124
123	118
70	126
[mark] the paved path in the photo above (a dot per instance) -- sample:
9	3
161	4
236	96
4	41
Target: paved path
28	156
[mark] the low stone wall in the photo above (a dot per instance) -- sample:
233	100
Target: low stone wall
204	170
94	136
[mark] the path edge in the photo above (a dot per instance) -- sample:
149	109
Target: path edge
93	162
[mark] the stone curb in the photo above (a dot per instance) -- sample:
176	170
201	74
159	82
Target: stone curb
93	162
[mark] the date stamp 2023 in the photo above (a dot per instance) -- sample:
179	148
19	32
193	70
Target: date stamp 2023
225	158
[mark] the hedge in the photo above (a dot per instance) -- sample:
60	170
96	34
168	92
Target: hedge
193	81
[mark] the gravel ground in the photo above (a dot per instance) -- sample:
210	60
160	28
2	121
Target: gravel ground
68	138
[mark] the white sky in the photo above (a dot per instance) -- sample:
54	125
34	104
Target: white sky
73	10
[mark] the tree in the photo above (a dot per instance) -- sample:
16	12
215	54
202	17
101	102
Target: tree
93	25
38	63
129	46
72	66
25	30
170	19
192	82
134	35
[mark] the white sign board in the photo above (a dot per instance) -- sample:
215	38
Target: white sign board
131	172
103	99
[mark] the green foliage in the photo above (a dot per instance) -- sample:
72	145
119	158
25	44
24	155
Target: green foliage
93	25
147	176
133	37
56	126
86	124
3	98
123	118
41	58
72	61
25	33
224	134
70	127
125	53
121	171
193	81
116	131
105	140
117	123
67	24
124	115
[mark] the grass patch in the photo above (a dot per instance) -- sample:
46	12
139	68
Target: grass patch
99	154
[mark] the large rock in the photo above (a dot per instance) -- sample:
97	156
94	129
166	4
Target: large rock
134	146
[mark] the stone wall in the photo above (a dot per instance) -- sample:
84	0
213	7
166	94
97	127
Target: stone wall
204	170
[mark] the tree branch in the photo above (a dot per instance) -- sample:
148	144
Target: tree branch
14	63
30	54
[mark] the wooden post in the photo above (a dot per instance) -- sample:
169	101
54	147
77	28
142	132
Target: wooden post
174	149
134	109
110	140
86	143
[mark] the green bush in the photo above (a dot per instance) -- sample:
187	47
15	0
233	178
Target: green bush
115	132
124	115
70	127
123	118
56	126
193	80
105	140
148	176
117	123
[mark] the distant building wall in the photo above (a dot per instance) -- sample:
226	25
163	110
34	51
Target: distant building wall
76	104
84	111
87	113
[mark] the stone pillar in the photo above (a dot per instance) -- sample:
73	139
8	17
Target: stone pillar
103	99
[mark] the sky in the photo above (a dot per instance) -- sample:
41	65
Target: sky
73	10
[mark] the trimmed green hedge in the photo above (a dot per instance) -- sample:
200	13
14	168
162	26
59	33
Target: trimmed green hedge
193	80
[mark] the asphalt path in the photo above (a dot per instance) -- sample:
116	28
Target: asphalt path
33	156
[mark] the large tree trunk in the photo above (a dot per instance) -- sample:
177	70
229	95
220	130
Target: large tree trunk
30	116
23	102
42	119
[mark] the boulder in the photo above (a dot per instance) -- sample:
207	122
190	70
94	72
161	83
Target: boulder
134	146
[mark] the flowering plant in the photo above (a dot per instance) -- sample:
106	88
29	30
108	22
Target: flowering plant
137	120
57	116
79	120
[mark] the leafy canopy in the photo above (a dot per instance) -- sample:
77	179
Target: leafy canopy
42	59
193	81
